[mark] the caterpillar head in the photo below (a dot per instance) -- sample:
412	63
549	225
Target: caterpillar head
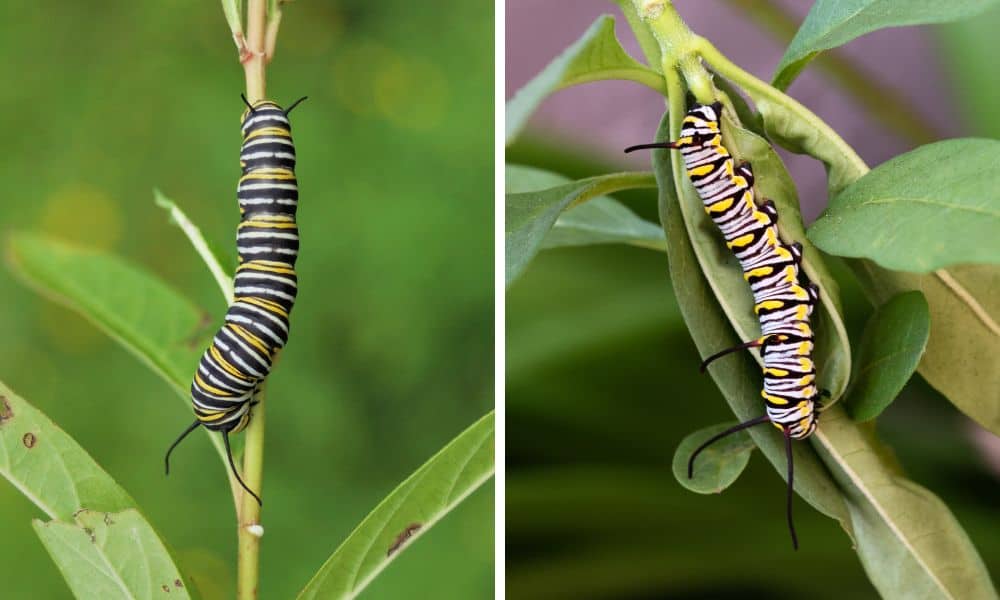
702	121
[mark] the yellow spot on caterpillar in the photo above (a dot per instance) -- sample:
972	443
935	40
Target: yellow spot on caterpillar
775	372
741	241
801	312
791	274
720	206
702	170
807	380
773	399
806	364
758	272
768	305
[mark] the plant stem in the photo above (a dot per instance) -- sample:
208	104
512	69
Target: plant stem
248	560
761	93
248	514
678	45
256	61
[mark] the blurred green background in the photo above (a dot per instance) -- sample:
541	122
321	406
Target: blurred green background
392	350
603	384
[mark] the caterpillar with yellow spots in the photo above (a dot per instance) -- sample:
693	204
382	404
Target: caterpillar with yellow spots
783	296
225	384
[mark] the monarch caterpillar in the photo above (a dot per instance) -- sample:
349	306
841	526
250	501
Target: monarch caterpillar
783	296
224	387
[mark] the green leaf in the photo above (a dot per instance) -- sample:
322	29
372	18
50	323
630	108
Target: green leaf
811	136
831	23
936	206
98	554
596	56
164	330
893	342
718	465
962	358
908	541
975	83
738	377
408	512
234	15
604	221
208	254
49	467
529	215
112	555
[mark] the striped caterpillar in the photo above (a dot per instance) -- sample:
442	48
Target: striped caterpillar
783	296
224	387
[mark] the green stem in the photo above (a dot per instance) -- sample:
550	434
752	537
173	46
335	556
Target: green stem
250	530
678	45
762	93
248	516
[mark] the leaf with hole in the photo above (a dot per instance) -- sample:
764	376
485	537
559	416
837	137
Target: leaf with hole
49	467
718	465
596	56
423	499
111	555
893	342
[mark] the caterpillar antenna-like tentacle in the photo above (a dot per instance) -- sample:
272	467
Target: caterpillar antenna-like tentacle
190	428
745	346
791	489
232	465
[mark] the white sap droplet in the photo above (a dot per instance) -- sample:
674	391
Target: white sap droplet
256	530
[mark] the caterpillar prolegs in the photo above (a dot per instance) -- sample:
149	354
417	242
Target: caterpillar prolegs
783	296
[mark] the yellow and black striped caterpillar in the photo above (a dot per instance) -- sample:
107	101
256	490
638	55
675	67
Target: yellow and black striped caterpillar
267	240
783	296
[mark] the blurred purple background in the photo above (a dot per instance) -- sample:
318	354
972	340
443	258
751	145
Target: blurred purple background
604	117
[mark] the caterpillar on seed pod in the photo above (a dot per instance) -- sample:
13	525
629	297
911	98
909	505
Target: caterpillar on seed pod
225	384
784	297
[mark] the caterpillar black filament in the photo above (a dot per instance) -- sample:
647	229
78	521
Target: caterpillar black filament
267	240
783	297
